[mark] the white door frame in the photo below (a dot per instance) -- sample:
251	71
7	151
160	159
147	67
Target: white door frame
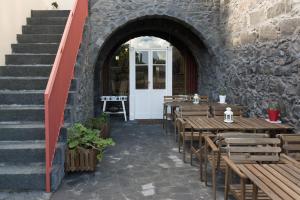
132	76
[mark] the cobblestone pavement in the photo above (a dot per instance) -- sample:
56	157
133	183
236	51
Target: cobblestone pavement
144	164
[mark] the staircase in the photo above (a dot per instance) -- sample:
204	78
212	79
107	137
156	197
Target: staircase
22	83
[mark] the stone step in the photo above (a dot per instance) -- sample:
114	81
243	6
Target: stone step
23	131
26	113
47	21
39	38
26	83
23	83
26	70
50	13
26	152
29	59
27	97
35	48
43	29
28	176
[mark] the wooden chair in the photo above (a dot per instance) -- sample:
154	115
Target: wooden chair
215	148
218	110
250	150
185	135
290	144
193	110
174	98
183	132
204	99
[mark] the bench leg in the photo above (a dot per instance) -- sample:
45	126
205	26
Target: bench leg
104	106
124	111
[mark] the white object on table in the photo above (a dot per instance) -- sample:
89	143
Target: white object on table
121	99
274	122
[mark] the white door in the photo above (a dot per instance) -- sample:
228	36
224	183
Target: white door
150	81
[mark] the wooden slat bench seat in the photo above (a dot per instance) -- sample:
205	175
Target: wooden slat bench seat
215	148
252	151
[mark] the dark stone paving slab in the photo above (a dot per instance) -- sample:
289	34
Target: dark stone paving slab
145	164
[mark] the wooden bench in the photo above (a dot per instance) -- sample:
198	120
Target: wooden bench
290	144
251	150
215	148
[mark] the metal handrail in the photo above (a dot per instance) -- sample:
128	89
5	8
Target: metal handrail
60	79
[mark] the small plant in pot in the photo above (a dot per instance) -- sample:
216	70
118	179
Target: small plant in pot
85	148
273	111
54	5
100	123
222	95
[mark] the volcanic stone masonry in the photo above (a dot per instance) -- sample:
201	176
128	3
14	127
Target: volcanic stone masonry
252	47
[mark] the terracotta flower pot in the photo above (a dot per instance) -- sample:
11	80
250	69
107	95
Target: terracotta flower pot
273	115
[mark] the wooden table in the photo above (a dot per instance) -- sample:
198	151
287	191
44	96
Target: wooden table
217	124
278	181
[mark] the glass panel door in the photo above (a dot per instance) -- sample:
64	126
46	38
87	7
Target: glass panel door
141	73
159	69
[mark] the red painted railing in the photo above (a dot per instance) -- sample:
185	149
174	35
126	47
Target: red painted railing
59	83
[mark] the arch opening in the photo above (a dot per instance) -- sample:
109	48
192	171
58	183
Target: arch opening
179	34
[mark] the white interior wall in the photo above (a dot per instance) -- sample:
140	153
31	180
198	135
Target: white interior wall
13	14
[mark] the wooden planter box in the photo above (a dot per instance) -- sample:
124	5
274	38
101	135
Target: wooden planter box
81	160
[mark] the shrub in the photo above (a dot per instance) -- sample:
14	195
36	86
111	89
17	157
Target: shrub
80	136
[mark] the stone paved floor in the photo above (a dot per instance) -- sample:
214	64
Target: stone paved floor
145	164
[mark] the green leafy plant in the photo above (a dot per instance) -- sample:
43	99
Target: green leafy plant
80	136
222	91
55	4
273	105
98	122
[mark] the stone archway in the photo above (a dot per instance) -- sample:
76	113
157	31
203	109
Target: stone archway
181	25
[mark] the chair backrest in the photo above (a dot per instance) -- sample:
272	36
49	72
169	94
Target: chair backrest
204	99
218	110
290	144
253	149
220	137
194	110
176	98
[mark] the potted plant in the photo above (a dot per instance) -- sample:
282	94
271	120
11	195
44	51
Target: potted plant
222	96
273	111
85	148
100	123
54	5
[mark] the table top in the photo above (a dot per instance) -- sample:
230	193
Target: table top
239	124
189	103
278	181
179	103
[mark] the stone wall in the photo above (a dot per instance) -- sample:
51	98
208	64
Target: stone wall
261	54
107	16
251	46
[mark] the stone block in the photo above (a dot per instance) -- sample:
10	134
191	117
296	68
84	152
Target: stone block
257	17
268	32
248	37
288	26
236	41
276	10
